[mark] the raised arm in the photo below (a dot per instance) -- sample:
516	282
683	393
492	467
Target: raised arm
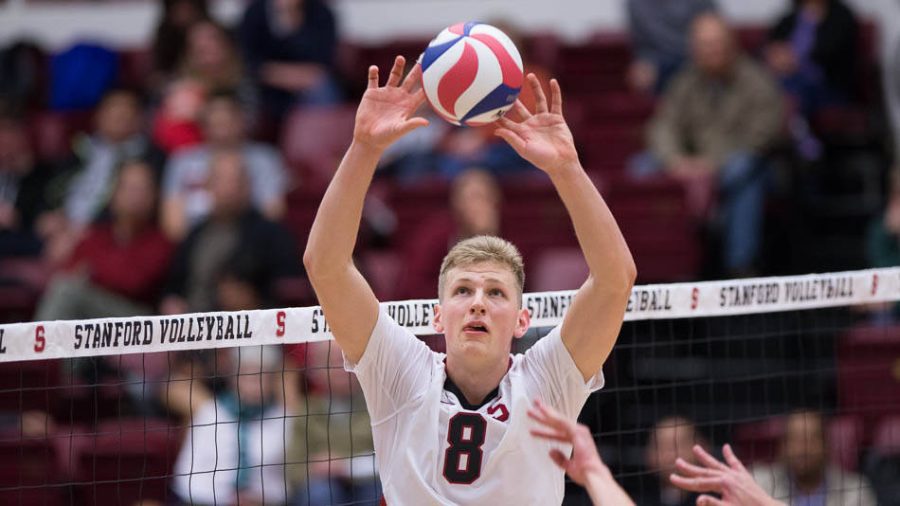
346	298
592	323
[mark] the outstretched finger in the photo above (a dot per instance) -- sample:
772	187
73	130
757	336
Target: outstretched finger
412	124
708	460
710	484
734	462
550	435
691	470
411	79
396	71
373	77
555	97
540	100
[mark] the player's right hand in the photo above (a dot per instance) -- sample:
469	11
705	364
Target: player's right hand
384	113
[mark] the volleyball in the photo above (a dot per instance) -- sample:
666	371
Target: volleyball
471	73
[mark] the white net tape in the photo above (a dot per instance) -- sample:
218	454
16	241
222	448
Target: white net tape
114	336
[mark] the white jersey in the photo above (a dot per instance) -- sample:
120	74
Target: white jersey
431	448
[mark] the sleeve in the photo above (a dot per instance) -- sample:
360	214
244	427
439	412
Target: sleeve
269	176
552	371
395	369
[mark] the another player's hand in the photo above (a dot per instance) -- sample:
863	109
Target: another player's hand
543	137
555	427
733	482
384	113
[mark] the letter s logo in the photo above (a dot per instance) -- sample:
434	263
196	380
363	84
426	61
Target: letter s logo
279	322
40	342
695	298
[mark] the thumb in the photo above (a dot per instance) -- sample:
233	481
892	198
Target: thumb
708	500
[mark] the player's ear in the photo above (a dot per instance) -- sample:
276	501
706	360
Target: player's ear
436	322
522	323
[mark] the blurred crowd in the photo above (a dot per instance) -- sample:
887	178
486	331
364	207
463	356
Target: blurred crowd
183	177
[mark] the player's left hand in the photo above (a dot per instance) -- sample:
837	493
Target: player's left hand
543	137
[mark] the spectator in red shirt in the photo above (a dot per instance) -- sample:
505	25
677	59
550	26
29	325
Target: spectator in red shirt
118	267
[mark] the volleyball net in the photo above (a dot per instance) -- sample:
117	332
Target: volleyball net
255	406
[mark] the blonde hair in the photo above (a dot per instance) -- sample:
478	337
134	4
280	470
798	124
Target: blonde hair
484	248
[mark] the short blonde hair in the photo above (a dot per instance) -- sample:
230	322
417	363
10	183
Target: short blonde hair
484	248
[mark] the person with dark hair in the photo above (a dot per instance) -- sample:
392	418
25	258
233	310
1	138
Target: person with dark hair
171	33
233	229
289	47
803	474
186	198
812	50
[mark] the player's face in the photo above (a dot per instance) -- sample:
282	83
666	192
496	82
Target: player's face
480	312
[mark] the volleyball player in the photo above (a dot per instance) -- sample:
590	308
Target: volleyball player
453	429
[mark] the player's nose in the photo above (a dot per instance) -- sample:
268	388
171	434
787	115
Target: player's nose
477	306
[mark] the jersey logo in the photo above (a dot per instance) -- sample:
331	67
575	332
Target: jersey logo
498	411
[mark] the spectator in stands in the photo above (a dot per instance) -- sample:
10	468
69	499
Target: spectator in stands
186	198
23	187
803	474
234	449
289	47
712	130
210	63
659	31
883	248
93	170
233	229
670	439
813	50
475	200
332	437
171	35
119	265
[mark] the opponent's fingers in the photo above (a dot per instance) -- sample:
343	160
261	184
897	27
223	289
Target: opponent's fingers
733	462
373	77
414	77
561	460
540	100
710	484
708	460
396	71
550	435
691	470
708	500
555	97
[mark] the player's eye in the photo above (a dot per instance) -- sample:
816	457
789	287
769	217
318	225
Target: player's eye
495	292
462	290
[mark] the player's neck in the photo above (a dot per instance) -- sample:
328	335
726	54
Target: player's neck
475	382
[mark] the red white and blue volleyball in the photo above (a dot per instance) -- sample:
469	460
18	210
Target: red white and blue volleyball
471	73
